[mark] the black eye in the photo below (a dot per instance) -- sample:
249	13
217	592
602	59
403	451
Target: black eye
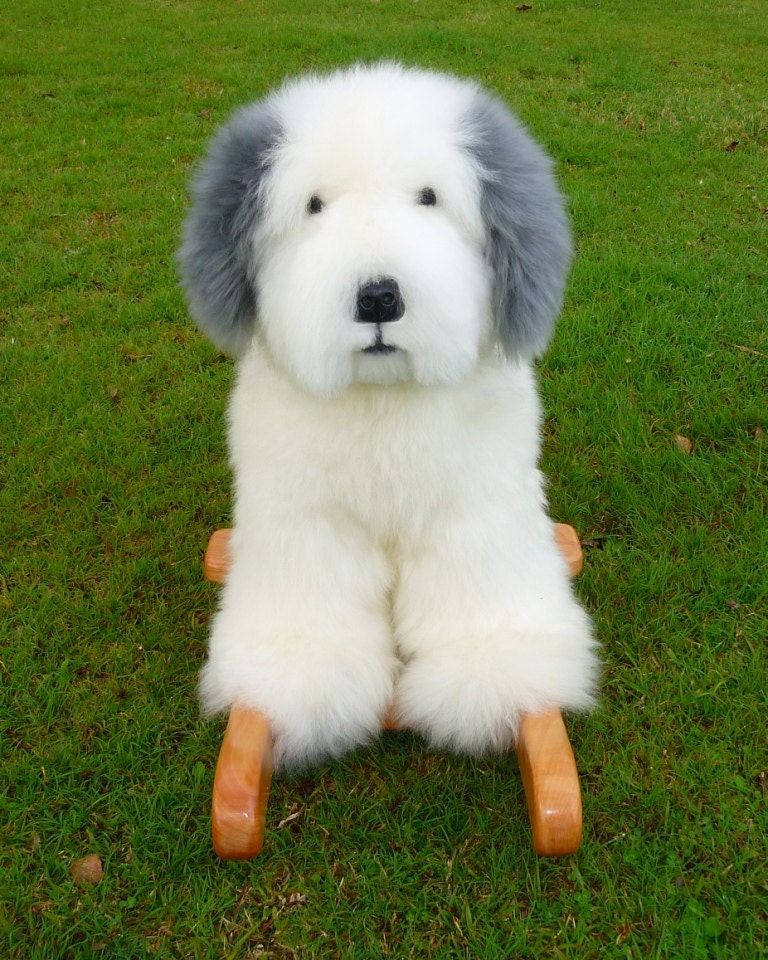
315	204
427	197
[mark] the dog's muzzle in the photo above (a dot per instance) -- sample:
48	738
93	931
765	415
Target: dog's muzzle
379	301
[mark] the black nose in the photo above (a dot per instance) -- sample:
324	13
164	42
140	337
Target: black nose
379	302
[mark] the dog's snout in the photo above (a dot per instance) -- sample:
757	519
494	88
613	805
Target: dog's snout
379	301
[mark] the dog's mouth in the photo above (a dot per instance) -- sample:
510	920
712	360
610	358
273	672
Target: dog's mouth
379	348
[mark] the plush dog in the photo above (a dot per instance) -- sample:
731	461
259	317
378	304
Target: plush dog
385	250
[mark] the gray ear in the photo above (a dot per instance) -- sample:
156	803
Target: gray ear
227	202
529	240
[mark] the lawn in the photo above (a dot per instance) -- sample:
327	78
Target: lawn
114	472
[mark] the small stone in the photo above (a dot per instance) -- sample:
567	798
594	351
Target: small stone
87	871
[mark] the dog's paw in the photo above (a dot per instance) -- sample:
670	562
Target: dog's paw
326	715
318	705
470	698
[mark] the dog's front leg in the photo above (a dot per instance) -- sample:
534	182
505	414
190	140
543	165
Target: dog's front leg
489	631
303	635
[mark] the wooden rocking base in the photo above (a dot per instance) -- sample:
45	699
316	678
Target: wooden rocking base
244	769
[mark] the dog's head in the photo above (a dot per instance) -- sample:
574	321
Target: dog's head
376	225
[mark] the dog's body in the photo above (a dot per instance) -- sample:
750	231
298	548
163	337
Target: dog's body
386	249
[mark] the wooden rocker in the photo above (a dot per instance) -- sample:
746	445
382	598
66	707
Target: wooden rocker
244	769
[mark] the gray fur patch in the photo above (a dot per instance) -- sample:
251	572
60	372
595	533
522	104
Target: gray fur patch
529	246
227	200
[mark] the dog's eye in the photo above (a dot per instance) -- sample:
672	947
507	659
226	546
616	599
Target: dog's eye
315	204
427	197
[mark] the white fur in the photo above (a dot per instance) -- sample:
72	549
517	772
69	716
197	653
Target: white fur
391	538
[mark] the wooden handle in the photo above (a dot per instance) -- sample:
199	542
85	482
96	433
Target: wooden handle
551	781
218	557
569	545
241	786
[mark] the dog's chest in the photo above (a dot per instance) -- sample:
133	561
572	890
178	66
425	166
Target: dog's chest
390	459
389	464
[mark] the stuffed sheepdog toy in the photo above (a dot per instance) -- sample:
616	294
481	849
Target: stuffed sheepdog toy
385	251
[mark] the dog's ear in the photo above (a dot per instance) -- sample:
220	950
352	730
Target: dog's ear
215	260
529	240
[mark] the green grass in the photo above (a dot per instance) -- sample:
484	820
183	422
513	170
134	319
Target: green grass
114	472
